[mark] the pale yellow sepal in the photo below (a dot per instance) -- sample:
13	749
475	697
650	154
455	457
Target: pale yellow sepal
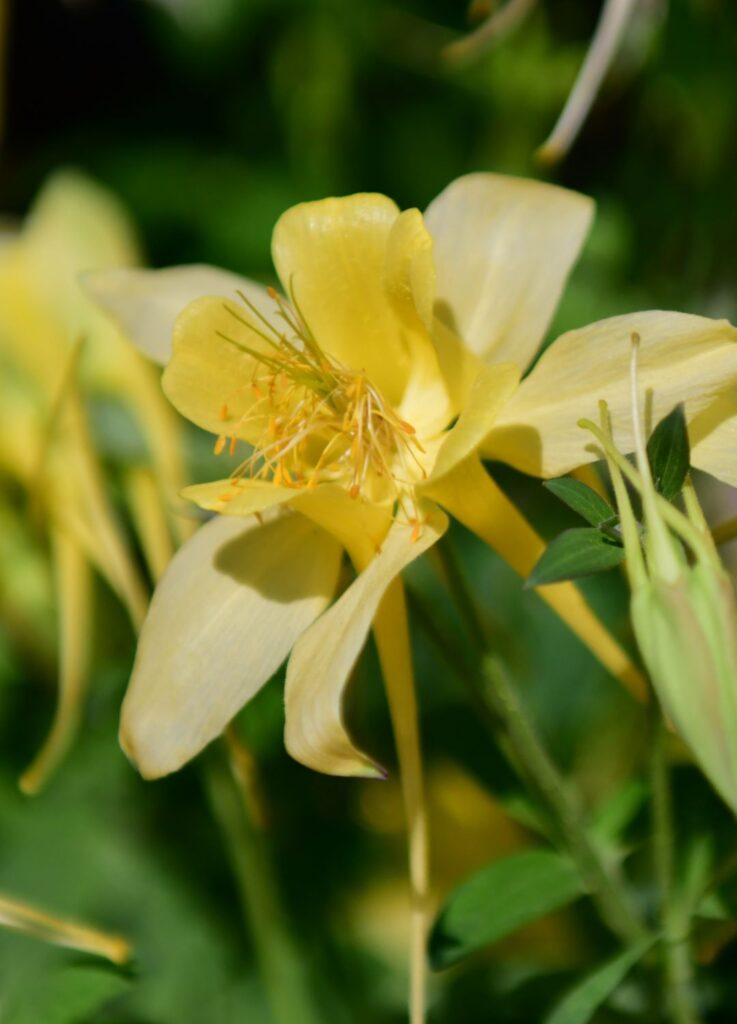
503	250
146	303
322	659
224	617
683	358
713	437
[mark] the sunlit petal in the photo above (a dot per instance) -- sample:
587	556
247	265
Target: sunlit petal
331	256
683	358
503	251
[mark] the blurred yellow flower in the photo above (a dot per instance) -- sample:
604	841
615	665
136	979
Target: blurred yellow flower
55	350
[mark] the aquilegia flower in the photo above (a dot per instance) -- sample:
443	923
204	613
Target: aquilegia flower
362	398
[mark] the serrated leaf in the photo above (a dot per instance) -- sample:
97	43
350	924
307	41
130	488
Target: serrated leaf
580	1004
575	553
669	453
582	499
68	995
500	899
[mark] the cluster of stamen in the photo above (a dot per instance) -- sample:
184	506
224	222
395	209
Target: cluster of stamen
315	420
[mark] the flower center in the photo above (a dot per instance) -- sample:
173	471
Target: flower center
314	420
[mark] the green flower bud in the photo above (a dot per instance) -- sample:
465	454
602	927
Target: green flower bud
683	609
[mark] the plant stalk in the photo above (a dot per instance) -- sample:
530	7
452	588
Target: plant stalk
677	962
495	692
281	962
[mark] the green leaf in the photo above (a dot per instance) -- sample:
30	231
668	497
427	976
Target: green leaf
580	1004
498	900
573	554
68	996
582	499
669	453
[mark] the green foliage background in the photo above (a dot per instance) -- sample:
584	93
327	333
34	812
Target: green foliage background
209	119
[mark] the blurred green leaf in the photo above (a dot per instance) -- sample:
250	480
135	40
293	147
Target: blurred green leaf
499	900
582	499
580	1004
575	553
669	453
68	996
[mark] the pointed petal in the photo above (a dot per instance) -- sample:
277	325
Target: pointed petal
491	390
146	303
224	617
331	256
503	251
74	599
322	659
683	358
472	497
28	920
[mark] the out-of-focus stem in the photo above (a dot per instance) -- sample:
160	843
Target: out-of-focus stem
677	965
282	963
534	765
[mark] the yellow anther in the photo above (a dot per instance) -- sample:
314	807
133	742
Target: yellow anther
220	444
223	414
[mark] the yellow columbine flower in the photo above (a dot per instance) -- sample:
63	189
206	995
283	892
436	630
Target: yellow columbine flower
56	349
366	394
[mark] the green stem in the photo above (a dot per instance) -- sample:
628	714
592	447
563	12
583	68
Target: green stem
503	711
677	965
544	778
281	962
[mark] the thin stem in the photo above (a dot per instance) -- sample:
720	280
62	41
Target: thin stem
496	693
678	968
544	778
456	582
281	962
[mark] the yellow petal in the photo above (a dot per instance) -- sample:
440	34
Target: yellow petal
238	499
503	251
491	390
358	525
22	917
209	378
331	256
146	303
683	358
224	617
713	436
410	283
472	497
74	599
322	659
